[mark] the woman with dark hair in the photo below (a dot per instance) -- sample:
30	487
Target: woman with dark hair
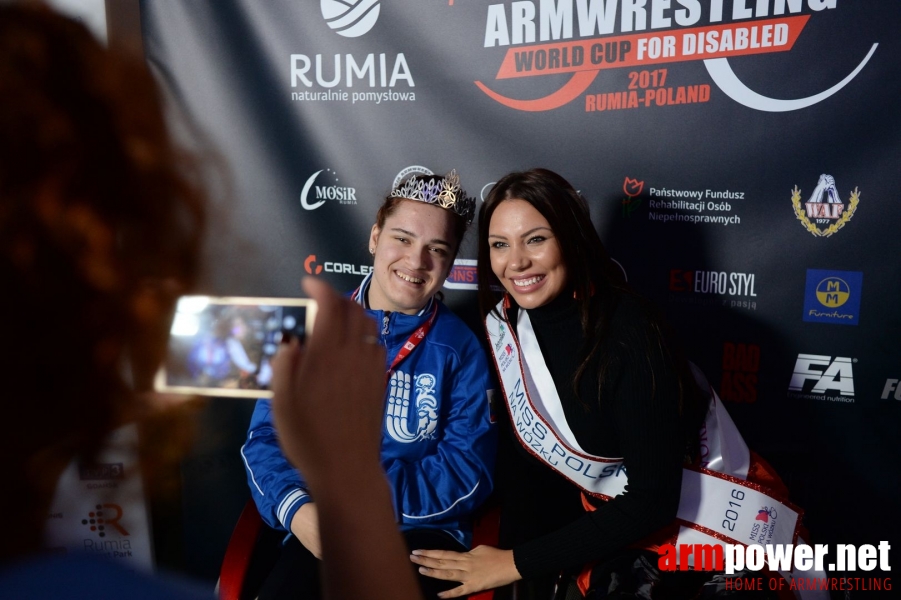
604	462
438	439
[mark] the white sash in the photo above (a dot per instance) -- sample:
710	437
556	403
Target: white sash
717	505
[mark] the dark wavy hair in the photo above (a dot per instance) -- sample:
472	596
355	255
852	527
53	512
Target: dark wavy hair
100	227
589	269
595	280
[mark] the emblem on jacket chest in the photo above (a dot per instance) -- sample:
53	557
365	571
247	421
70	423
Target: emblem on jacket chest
411	421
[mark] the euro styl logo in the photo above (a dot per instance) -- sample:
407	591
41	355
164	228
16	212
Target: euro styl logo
350	18
582	38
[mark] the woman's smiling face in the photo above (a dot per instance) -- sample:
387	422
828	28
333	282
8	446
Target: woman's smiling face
525	255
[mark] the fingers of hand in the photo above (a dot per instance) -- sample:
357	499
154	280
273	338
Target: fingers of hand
456	592
329	324
441	564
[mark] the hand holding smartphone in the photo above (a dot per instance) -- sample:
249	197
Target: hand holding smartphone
223	346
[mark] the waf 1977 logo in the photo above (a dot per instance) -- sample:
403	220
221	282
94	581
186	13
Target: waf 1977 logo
824	213
582	38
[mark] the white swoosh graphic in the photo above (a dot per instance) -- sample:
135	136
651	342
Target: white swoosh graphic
306	190
723	76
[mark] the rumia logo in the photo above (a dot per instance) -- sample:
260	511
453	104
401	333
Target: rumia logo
350	18
632	188
581	38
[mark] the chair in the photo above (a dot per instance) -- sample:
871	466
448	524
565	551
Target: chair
254	547
252	551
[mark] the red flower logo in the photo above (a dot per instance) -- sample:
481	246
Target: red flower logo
632	187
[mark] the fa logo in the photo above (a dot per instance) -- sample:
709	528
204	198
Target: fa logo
837	376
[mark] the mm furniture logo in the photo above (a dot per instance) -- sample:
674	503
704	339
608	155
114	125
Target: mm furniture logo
832	297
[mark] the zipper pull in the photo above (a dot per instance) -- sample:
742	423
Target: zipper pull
385	323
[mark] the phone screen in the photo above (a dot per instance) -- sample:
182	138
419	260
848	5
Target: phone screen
223	346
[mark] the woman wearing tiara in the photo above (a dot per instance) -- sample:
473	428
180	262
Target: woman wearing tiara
438	439
604	463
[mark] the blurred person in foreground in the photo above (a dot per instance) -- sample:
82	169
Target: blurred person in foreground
100	225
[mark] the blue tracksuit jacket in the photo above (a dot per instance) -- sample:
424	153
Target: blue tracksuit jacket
439	456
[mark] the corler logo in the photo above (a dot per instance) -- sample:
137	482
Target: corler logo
824	213
832	297
312	267
463	275
350	18
322	193
827	374
581	38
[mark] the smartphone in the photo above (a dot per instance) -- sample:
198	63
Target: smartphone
223	346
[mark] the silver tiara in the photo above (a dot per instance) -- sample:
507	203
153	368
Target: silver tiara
445	192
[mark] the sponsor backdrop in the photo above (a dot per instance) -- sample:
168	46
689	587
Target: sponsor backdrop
739	157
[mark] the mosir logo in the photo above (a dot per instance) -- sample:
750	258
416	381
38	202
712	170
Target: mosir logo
324	192
827	374
581	38
350	18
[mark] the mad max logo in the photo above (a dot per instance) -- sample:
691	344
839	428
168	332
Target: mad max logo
580	38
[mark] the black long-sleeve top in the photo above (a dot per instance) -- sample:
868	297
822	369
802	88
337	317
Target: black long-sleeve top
637	417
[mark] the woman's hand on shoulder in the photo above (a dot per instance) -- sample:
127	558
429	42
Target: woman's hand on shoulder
482	568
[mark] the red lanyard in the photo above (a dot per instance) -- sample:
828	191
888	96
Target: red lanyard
413	341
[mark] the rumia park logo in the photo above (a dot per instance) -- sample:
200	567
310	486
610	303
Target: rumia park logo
582	38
